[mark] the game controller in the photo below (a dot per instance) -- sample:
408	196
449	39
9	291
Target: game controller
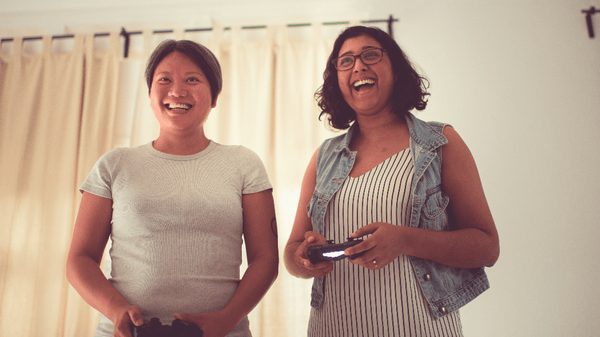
332	251
178	328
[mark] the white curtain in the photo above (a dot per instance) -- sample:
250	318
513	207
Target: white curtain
60	110
40	107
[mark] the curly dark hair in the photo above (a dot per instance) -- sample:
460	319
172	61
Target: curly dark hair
410	89
196	52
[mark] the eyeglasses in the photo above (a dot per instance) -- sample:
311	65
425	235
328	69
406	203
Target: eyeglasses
369	56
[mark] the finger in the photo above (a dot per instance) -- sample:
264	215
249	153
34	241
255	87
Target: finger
371	264
309	237
314	238
183	317
319	269
301	256
368	229
364	257
316	266
305	262
375	264
136	316
359	249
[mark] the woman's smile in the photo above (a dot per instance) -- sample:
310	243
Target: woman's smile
177	106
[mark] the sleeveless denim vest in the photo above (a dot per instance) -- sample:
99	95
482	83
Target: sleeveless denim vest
445	288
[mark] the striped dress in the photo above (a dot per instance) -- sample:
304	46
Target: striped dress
386	302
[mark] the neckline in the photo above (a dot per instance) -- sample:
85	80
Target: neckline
380	164
211	146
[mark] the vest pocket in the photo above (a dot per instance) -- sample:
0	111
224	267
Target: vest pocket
435	205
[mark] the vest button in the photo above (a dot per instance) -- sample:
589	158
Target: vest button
443	310
427	277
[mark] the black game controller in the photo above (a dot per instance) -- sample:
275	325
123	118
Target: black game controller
332	251
178	328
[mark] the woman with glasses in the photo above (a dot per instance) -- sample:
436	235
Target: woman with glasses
408	189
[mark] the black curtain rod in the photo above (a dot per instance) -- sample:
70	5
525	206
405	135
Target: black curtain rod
126	34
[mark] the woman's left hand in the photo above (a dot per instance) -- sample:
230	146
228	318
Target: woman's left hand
381	248
212	324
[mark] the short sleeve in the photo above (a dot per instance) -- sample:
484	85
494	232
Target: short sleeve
254	172
99	180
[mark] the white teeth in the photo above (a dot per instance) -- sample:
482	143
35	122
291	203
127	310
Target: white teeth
179	106
363	82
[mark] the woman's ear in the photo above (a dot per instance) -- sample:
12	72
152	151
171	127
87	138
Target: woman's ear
214	103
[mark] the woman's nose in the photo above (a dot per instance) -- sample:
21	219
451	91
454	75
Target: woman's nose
359	65
178	90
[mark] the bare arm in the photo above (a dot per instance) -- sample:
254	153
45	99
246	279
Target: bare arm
260	234
473	239
92	229
302	236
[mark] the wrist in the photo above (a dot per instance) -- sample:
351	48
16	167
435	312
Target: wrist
117	306
229	318
405	241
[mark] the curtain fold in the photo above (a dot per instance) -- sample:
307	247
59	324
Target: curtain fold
59	112
98	119
39	129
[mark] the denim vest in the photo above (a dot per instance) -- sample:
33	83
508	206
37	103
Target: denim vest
445	288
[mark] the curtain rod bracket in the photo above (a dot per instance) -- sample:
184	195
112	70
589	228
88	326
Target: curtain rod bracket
588	20
390	25
126	48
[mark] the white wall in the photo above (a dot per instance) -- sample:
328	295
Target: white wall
519	80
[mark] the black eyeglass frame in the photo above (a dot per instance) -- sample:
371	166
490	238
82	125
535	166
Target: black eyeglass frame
335	60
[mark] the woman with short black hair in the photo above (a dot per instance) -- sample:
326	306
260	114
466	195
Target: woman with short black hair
176	210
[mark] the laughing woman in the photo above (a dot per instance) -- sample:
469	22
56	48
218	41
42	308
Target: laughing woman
176	210
409	188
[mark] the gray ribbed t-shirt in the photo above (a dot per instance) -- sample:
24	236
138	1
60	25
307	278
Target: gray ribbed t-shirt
177	226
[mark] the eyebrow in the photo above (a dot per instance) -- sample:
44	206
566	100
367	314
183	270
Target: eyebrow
363	48
187	73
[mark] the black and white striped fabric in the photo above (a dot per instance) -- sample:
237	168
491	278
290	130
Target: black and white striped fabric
386	302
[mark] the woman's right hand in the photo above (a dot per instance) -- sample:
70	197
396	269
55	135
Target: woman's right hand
125	318
301	256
